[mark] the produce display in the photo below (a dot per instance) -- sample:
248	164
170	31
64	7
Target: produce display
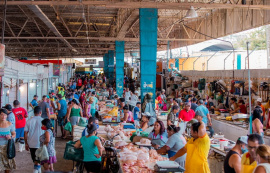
138	160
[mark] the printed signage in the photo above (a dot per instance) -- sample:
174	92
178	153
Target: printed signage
90	61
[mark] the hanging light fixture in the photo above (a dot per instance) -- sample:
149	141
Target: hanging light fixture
191	13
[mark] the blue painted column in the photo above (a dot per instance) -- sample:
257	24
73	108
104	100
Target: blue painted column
148	51
110	65
177	63
238	61
106	63
119	56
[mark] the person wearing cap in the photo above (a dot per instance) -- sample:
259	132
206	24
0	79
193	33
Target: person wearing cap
62	111
248	161
34	102
172	117
187	113
93	105
194	104
145	120
259	102
133	100
45	107
232	162
92	148
206	117
10	115
136	111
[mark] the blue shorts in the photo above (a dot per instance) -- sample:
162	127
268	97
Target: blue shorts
20	133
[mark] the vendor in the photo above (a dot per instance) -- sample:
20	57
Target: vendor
219	106
242	107
232	162
234	108
259	102
128	117
248	161
158	136
175	142
172	117
197	150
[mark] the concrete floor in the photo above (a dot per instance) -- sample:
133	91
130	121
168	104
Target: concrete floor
25	164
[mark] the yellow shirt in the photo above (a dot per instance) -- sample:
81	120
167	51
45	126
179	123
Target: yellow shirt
246	166
197	153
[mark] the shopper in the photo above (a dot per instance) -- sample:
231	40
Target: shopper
62	111
172	118
206	118
263	158
232	162
133	100
159	100
175	143
74	113
194	104
48	139
20	121
94	104
248	161
158	136
197	150
32	133
163	96
127	95
259	102
137	111
7	131
79	84
187	113
87	107
10	115
45	107
34	102
257	126
92	148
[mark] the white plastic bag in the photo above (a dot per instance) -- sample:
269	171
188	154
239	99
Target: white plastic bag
42	153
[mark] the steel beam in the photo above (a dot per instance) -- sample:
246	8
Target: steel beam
101	38
127	4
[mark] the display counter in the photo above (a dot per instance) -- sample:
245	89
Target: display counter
232	131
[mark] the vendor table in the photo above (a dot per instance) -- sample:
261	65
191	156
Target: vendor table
232	131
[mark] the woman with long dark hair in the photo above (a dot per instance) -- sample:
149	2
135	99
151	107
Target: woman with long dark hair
7	131
257	126
92	148
158	136
48	139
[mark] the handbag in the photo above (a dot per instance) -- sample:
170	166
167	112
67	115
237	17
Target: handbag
42	153
11	152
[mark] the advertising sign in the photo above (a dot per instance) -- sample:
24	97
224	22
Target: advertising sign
90	61
56	69
2	56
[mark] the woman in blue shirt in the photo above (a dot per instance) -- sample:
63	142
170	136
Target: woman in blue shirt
175	142
158	136
92	148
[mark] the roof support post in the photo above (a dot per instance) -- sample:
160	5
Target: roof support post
210	58
148	51
119	56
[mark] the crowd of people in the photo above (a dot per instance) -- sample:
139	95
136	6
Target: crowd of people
187	116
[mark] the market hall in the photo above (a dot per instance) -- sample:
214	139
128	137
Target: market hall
134	86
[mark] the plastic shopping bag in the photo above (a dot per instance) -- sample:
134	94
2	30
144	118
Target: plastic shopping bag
42	153
68	127
82	122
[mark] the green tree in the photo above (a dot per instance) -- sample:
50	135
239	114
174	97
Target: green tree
256	38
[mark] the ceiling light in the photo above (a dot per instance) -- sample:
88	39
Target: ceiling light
191	13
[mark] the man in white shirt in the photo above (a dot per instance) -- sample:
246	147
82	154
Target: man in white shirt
32	132
127	95
133	101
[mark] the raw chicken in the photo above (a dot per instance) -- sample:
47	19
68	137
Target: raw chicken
145	141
